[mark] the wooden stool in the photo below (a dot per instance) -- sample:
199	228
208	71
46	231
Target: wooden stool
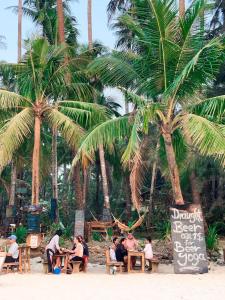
155	265
76	266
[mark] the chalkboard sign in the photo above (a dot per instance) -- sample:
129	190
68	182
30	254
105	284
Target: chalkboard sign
79	223
189	250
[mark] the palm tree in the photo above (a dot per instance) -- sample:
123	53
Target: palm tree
40	77
107	210
61	29
165	80
44	14
181	8
19	30
117	5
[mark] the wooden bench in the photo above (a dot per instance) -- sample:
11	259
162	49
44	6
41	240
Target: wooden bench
109	263
23	263
10	267
99	227
154	264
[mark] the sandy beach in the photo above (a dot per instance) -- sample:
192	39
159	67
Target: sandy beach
97	285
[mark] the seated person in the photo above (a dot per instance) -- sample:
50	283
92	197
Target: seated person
78	250
112	249
85	254
13	252
131	244
148	252
121	251
85	246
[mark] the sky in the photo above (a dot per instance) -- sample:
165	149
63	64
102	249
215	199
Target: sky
8	25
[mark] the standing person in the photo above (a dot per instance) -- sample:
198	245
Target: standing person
52	248
121	251
112	249
13	252
148	252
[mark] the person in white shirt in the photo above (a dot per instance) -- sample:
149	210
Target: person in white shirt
13	251
112	249
148	252
52	248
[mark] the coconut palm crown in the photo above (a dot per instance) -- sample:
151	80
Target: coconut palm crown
42	84
165	78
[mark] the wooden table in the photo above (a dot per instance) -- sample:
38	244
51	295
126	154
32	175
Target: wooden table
137	254
64	256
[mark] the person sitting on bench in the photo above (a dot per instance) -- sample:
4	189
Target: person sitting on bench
78	250
112	249
13	253
121	251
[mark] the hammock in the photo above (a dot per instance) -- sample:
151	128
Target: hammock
126	228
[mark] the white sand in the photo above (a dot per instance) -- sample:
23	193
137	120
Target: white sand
96	285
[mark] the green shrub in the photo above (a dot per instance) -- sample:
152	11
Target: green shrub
110	232
212	238
21	234
96	236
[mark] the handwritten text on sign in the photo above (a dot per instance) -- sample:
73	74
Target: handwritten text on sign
188	241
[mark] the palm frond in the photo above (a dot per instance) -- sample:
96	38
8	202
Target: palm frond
206	136
104	134
213	108
70	131
10	100
14	132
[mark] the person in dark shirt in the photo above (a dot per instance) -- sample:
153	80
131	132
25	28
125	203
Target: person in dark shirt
121	251
85	254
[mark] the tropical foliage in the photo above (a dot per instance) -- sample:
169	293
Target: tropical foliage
168	146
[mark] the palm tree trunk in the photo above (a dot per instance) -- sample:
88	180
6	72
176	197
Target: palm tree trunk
60	14
85	184
36	161
19	30
13	184
90	39
79	212
173	169
181	8
152	188
107	208
78	187
126	182
55	172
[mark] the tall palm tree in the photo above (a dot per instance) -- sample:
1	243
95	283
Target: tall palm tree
107	210
40	77
165	81
181	8
19	30
89	15
61	28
